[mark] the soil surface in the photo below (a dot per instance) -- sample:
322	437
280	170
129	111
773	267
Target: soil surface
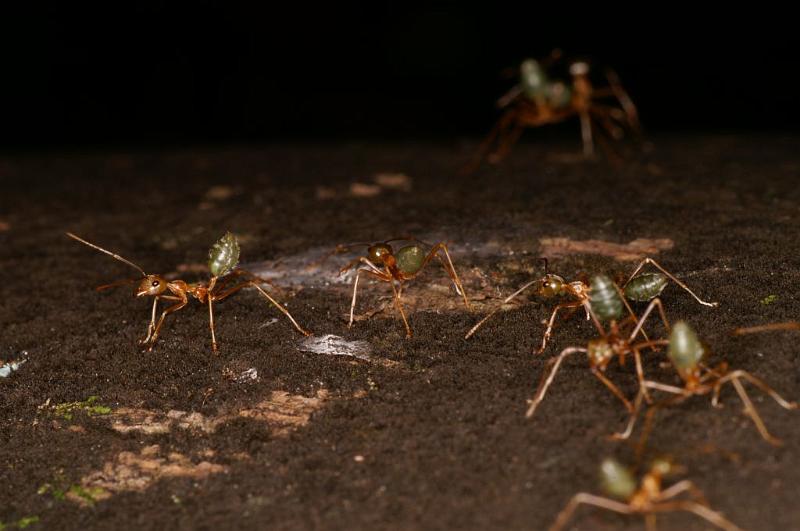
277	432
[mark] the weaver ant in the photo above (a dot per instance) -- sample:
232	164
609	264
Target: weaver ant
223	258
387	265
687	354
538	100
647	499
604	304
642	287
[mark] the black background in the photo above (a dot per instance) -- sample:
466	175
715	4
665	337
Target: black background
212	72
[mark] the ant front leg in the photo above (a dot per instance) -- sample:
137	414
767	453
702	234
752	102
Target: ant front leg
505	301
370	269
174	308
152	326
551	322
547	378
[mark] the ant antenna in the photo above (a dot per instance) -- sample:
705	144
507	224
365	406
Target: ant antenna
544	261
109	253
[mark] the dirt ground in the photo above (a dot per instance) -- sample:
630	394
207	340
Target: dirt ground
426	433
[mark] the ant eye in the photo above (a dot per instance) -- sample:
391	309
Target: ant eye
155	283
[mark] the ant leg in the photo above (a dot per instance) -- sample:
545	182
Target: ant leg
583	498
483	150
639	325
586	135
505	301
283	310
681	487
613	388
448	267
650	416
174	308
637	321
750	411
704	512
152	324
380	275
637	406
637	358
671	277
650	522
790	325
548	379
551	322
399	306
624	100
508	135
764	387
211	324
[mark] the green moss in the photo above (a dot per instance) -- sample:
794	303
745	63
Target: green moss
22	523
89	406
769	299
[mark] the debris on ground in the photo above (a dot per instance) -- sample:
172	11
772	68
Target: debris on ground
635	250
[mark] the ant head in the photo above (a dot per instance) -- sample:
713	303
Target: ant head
664	466
378	252
552	285
579	69
151	286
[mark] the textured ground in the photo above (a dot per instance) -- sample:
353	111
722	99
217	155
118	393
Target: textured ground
426	433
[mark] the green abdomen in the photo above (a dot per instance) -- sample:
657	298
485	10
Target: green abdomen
645	287
410	259
604	299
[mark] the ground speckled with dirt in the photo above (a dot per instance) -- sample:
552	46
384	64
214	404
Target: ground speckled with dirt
426	433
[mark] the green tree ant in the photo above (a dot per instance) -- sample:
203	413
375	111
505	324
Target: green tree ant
538	100
642	287
604	304
647	499
223	258
687	354
386	265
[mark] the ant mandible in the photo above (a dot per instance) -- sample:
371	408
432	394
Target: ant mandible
387	265
223	259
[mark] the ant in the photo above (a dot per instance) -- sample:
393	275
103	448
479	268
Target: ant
223	258
647	499
538	100
642	287
686	353
605	304
386	265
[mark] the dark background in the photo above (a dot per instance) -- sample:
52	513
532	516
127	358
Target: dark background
179	73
